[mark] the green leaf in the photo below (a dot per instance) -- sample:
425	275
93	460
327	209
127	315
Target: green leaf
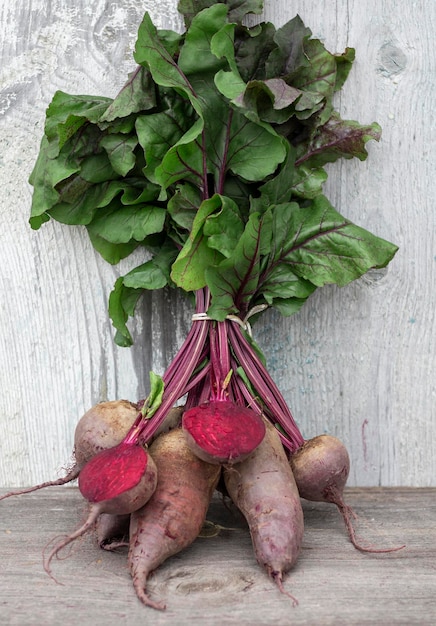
289	306
150	52
171	41
184	161
120	150
252	49
319	245
305	64
318	75
229	84
224	228
277	189
138	94
46	174
254	152
344	63
146	276
111	252
188	271
237	9
67	113
155	273
289	54
139	191
159	132
308	182
183	205
154	398
125	223
196	55
97	168
80	208
122	304
284	284
270	100
234	281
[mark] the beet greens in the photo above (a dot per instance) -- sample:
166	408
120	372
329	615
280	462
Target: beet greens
212	159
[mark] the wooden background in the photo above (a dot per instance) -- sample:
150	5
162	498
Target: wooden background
356	362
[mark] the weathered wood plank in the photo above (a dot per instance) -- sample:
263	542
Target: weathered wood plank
216	580
356	362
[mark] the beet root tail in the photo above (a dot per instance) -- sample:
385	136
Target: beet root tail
277	577
139	585
113	546
72	475
347	515
93	514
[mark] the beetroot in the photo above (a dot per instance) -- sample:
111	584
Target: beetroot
112	472
117	481
321	468
264	490
103	426
220	431
174	515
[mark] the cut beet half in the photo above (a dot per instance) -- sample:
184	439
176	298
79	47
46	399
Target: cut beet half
112	472
220	431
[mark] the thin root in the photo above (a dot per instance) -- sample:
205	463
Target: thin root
278	579
72	475
210	529
67	540
145	599
112	546
348	513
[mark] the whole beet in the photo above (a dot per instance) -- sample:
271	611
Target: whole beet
321	468
173	517
263	488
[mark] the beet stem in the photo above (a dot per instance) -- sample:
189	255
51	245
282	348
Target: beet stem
266	388
177	375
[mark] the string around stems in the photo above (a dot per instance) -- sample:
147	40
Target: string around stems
243	323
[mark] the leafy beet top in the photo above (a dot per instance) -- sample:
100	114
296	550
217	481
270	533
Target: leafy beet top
212	158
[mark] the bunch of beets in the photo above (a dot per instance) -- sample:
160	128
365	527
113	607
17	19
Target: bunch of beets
211	158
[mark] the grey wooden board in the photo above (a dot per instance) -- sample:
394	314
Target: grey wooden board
216	580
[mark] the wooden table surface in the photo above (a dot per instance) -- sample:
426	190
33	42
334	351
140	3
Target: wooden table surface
216	580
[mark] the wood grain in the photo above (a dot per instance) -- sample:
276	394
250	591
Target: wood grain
216	580
356	362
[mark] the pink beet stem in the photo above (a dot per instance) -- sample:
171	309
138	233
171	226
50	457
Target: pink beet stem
219	361
266	387
177	376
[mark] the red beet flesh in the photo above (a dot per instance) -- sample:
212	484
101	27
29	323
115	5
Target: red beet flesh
222	432
112	472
